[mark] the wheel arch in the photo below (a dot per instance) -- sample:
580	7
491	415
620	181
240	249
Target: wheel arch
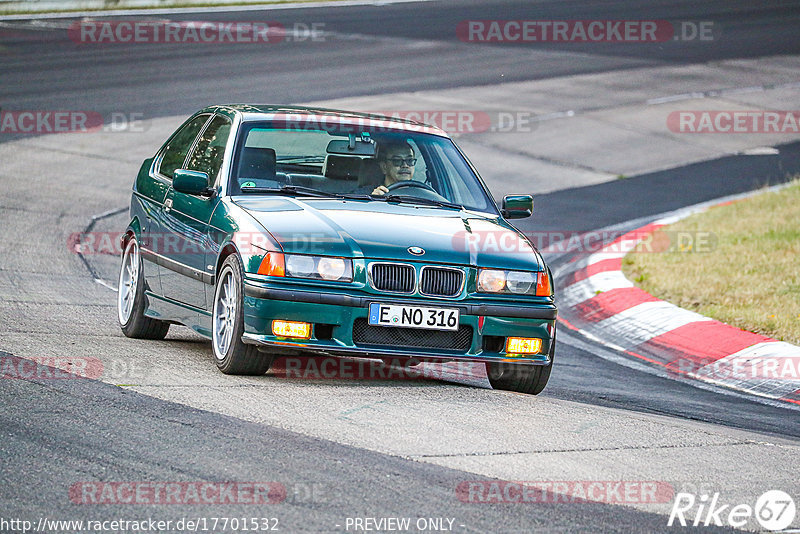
134	229
226	250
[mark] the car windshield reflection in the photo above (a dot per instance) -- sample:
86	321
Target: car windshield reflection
394	166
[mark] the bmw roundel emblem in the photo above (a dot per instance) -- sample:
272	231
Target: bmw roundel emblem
416	251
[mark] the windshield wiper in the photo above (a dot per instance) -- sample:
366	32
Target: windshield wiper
290	190
303	191
310	192
417	200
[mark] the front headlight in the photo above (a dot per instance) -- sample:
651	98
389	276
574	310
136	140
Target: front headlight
491	281
300	266
520	282
331	268
516	282
319	267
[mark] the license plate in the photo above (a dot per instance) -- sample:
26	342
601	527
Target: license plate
413	316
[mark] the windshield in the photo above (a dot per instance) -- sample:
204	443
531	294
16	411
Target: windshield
387	165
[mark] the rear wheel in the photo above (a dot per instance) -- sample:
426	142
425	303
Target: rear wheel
233	356
529	379
131	300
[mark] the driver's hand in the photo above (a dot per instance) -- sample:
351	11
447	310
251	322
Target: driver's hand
380	190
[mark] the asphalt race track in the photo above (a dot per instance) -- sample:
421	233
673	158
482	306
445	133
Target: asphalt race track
45	70
348	448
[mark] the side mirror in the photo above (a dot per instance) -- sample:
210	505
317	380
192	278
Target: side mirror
517	206
191	182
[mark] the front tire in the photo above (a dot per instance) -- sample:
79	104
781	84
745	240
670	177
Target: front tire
233	357
530	379
131	300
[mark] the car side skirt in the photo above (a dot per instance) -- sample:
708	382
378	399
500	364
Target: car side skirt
178	267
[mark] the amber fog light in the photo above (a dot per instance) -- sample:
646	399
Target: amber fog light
291	329
523	345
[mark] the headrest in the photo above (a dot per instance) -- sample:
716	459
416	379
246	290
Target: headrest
257	162
342	167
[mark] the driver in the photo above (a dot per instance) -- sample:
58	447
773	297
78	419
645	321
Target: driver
396	160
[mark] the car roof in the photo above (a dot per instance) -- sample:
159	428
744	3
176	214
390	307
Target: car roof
323	116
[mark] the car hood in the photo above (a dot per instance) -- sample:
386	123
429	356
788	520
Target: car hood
381	230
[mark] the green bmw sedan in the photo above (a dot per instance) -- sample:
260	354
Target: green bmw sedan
279	231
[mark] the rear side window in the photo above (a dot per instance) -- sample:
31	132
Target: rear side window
210	151
179	145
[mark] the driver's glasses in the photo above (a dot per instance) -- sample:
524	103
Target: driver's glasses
397	161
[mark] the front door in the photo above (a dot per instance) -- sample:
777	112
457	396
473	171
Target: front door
188	248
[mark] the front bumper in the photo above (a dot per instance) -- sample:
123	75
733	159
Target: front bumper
334	314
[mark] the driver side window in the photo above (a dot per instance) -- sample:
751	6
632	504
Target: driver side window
209	153
179	145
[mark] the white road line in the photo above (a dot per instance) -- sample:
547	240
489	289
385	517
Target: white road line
716	93
208	9
105	284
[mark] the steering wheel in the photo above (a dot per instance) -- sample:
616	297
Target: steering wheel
411	183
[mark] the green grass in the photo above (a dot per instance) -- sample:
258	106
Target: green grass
749	276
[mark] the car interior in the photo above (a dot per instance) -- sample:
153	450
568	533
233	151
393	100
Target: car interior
345	164
258	167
